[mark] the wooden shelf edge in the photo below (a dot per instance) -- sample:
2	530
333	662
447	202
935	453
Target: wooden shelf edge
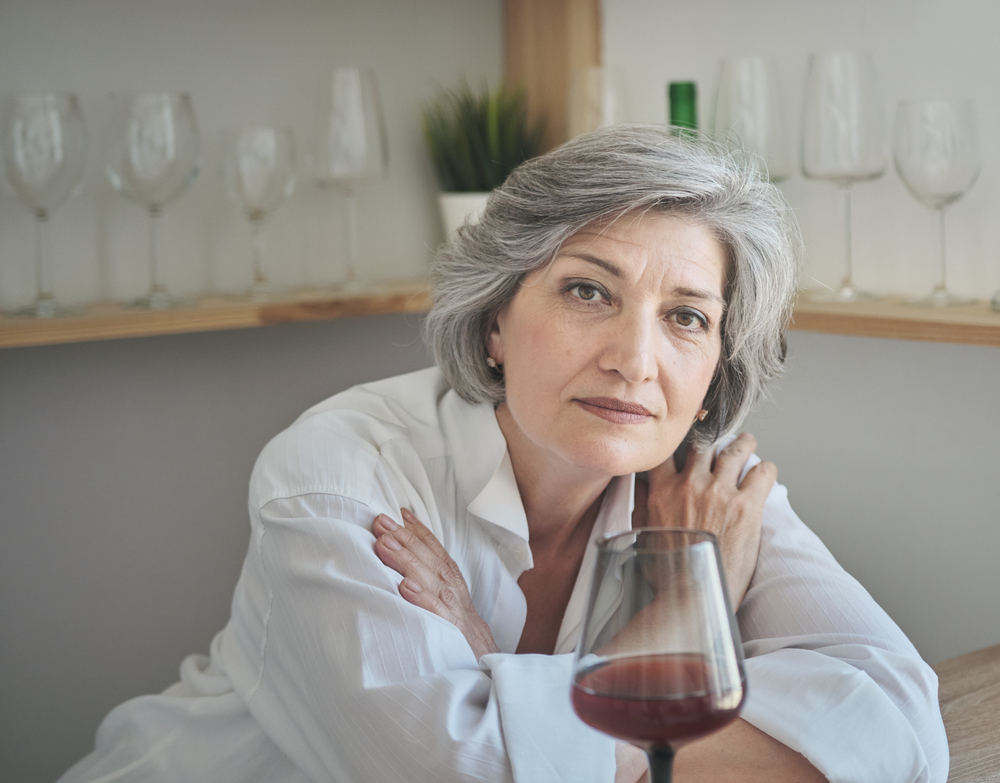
110	321
890	318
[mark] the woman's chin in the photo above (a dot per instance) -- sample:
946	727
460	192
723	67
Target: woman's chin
615	460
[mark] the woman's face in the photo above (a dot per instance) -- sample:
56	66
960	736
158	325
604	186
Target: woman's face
608	352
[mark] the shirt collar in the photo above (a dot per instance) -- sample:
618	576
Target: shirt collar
483	471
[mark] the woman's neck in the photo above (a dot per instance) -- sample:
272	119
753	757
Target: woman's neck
558	498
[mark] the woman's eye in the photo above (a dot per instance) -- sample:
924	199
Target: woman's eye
690	319
587	293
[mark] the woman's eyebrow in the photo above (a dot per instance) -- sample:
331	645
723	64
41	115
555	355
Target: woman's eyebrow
699	293
607	266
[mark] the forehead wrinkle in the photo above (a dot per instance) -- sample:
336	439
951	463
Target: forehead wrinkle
607	266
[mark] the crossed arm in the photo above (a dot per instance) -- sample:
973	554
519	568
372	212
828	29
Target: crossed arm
706	494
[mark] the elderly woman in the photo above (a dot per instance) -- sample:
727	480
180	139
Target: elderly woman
419	551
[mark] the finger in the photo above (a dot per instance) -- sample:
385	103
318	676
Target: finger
759	480
409	564
412	592
729	464
427	538
398	547
383	524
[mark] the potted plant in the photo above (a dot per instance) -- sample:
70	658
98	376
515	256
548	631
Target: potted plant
475	140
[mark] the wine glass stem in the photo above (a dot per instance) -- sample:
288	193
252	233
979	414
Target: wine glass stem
154	272
351	216
661	764
258	252
941	286
848	259
43	271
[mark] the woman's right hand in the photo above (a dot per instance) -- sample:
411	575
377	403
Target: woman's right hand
431	579
708	495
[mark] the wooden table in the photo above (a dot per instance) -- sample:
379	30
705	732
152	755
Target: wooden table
970	703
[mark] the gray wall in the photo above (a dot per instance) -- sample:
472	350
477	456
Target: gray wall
123	523
891	453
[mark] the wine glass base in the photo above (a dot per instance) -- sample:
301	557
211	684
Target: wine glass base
939	299
160	300
46	308
844	294
261	293
351	285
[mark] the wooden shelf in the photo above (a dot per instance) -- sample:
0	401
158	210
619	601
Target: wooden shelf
109	321
974	324
890	318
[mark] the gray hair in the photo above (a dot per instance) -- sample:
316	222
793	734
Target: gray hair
602	176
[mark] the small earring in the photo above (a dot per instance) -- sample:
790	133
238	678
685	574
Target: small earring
701	415
491	362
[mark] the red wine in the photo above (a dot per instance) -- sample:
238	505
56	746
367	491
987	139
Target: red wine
654	699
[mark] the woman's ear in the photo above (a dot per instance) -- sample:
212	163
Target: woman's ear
495	344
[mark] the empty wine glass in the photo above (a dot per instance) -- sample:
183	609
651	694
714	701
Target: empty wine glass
750	113
937	157
152	156
44	145
353	149
259	170
843	137
660	662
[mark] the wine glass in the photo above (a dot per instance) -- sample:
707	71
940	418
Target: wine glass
750	113
937	157
660	662
843	137
152	156
353	149
44	145
259	170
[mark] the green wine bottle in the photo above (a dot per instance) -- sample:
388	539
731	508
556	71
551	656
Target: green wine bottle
683	99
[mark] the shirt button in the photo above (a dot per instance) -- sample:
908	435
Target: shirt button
520	552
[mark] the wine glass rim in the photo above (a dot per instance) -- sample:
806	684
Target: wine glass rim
183	95
67	94
606	541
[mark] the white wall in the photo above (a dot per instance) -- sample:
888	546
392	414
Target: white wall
123	507
891	453
921	49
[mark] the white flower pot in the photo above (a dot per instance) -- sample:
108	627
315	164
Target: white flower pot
457	208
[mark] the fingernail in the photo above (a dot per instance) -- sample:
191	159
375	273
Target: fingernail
387	523
412	586
390	543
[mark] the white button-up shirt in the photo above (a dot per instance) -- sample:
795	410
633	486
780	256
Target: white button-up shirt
324	673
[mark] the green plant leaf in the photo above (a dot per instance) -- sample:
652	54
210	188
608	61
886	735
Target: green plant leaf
475	139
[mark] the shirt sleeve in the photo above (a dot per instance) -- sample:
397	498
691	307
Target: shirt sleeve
829	674
355	684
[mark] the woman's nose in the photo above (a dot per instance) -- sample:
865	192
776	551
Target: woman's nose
630	347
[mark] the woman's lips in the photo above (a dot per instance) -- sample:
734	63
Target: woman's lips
618	411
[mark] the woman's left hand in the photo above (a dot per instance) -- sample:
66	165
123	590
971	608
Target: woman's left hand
708	495
431	579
